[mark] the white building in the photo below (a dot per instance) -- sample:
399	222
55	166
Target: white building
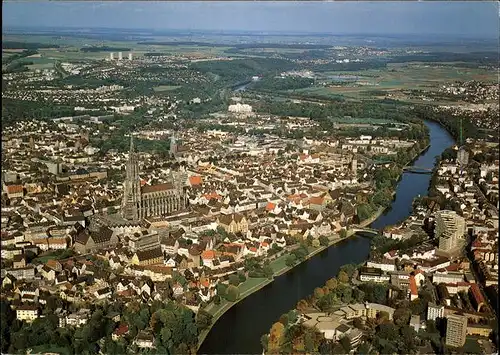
434	311
450	229
130	56
27	313
120	55
240	108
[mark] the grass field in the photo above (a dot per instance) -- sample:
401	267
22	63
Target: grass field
166	88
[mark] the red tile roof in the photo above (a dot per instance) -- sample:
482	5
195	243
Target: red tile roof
14	189
270	206
413	285
476	292
208	254
121	330
195	180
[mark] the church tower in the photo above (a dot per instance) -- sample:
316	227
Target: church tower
131	187
173	146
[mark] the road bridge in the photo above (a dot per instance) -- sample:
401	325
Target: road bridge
417	170
364	230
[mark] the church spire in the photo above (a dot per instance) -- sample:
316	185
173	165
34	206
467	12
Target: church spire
131	144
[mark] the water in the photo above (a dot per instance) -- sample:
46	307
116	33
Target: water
412	185
239	330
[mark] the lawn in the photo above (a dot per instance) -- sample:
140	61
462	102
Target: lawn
166	88
279	263
49	348
249	284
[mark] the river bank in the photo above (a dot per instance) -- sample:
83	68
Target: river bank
218	311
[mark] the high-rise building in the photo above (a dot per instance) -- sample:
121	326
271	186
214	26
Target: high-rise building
354	167
130	56
450	229
120	55
456	330
139	202
462	157
111	56
434	311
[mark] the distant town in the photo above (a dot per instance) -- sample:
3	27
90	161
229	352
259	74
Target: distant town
145	194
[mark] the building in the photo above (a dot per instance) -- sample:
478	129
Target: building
462	157
233	223
456	330
450	229
173	146
434	311
130	56
371	274
140	202
27	313
111	56
120	55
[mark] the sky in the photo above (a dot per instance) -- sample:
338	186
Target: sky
475	19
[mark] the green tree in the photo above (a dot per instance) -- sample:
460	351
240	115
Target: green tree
232	293
323	240
343	277
234	280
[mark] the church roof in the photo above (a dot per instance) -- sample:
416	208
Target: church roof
157	188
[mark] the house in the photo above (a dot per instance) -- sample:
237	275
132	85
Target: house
233	223
207	258
19	261
27	313
120	332
103	293
144	339
148	257
103	238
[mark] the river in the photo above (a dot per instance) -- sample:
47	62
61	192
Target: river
239	330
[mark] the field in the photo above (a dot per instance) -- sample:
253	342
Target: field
404	76
162	88
70	48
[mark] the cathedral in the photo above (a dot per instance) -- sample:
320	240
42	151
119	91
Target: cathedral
150	200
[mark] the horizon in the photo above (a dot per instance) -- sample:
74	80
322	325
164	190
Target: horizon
446	19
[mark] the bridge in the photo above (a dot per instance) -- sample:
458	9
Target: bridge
364	230
417	170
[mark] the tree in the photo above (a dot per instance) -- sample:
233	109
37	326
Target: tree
349	269
332	284
242	277
234	280
302	305
203	319
401	316
276	337
363	349
232	293
323	240
217	299
318	292
343	233
284	319
343	277
346	343
358	323
264	341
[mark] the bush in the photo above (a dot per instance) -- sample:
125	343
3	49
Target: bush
323	240
234	280
232	293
